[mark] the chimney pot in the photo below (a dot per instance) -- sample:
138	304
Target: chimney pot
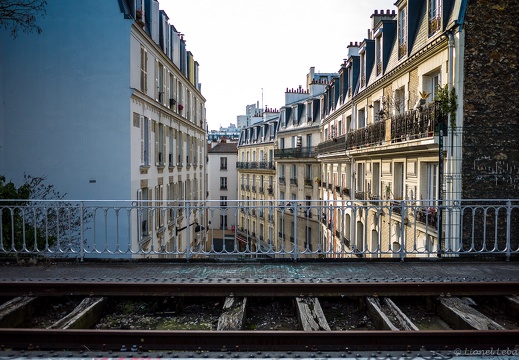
376	12
388	12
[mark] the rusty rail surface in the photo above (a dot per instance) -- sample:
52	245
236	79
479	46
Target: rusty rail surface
257	340
260	288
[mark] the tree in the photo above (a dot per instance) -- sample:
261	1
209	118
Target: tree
20	15
35	218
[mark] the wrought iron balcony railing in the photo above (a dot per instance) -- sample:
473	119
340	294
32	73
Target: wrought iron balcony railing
373	134
297	152
337	144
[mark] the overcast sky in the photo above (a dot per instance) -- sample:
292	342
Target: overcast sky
244	46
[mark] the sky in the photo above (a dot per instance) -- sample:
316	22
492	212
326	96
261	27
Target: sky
250	51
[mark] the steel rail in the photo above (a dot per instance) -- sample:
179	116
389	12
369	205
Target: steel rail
258	289
257	340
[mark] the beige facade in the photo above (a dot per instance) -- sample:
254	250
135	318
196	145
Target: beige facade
379	137
256	185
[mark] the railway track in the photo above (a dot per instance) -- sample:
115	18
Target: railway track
474	316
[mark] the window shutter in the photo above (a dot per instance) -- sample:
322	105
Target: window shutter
156	130
150	197
164	146
148	143
142	138
156	80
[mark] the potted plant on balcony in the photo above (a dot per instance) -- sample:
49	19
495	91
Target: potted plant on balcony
448	103
318	181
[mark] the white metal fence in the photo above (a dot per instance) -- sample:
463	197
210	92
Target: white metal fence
259	229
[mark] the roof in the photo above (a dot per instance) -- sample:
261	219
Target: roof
228	147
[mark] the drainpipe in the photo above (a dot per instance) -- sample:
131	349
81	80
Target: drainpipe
450	166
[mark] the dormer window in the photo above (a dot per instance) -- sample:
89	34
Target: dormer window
378	53
283	118
402	32
435	15
362	53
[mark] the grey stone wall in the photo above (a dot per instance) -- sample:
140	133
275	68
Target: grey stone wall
490	168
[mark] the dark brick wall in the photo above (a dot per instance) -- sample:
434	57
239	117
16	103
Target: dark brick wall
490	167
491	96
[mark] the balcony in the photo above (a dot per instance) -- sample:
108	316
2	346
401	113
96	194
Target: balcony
373	134
281	180
293	181
337	144
263	165
297	152
427	216
308	182
360	195
345	191
415	124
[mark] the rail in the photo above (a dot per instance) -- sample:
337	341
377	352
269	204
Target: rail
258	229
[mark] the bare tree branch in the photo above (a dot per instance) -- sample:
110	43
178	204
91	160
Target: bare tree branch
21	15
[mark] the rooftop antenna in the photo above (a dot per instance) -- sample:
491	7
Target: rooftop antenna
261	98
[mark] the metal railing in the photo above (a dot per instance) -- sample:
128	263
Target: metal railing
325	229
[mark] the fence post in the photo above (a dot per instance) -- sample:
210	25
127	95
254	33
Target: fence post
295	230
402	230
82	240
440	187
188	236
508	225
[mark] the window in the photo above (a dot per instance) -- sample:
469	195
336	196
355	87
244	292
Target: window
399	101
160	145
360	177
402	32
377	116
223	201
363	68
143	214
144	70
293	171
432	184
361	120
308	238
171	156
308	172
159	215
378	54
171	197
223	163
145	140
434	16
223	183
223	222
161	86
172	83
431	83
399	181
282	143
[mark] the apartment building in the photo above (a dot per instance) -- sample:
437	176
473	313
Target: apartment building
222	195
257	184
116	114
390	131
297	166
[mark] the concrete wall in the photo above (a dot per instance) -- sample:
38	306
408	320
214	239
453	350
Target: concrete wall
65	112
